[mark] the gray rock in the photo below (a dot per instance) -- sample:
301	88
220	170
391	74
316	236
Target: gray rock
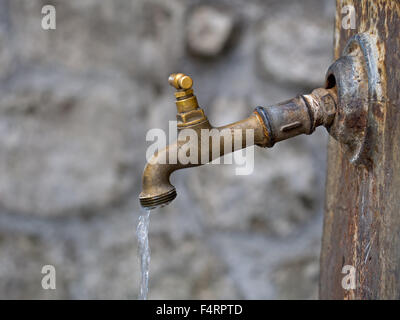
138	42
67	144
208	30
298	278
256	260
21	261
193	269
296	48
98	260
6	58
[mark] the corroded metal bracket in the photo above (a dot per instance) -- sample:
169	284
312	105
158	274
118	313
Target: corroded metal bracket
358	80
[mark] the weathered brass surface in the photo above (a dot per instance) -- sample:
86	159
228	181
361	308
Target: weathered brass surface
189	112
180	81
269	125
300	115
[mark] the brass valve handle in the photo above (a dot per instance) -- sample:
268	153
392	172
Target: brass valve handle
180	81
189	113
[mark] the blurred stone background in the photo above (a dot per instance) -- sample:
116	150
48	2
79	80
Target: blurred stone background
75	106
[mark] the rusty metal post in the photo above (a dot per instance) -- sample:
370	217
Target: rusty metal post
362	210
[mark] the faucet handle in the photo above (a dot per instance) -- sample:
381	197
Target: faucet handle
180	81
189	112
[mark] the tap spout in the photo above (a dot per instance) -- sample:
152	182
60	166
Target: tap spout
196	145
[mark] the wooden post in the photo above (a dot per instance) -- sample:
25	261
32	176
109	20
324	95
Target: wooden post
362	210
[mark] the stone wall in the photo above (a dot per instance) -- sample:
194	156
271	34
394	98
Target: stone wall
75	106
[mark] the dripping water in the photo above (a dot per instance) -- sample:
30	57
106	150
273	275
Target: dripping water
142	232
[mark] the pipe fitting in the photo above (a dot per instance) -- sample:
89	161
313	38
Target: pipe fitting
300	115
360	86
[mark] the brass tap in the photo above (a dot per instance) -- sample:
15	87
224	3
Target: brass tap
270	125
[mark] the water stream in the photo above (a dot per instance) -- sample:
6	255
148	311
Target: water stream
144	252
